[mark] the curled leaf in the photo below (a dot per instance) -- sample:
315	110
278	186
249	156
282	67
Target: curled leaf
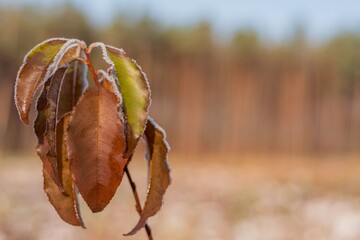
51	109
66	202
39	64
159	172
96	144
135	92
72	52
49	102
72	87
45	124
40	121
108	82
42	150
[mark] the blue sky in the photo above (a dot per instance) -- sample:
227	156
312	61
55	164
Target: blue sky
272	18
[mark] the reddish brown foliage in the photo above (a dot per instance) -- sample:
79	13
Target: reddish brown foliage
86	139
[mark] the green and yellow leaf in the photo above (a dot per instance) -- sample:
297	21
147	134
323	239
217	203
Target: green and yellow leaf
135	92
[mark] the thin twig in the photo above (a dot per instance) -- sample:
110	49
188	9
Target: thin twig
91	68
137	200
82	60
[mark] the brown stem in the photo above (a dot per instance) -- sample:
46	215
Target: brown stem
82	60
137	200
91	68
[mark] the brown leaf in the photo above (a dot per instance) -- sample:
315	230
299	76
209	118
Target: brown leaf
73	51
159	172
72	87
40	121
107	82
45	124
50	110
49	113
66	202
42	150
48	106
39	64
96	144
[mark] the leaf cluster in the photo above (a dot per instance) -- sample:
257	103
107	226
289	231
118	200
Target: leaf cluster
87	135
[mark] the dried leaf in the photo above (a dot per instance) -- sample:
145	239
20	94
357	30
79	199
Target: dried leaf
51	109
47	106
75	83
40	121
135	93
159	172
72	52
65	203
109	83
50	116
45	124
42	150
72	87
39	64
96	143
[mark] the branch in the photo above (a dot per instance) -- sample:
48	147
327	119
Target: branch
137	200
91	68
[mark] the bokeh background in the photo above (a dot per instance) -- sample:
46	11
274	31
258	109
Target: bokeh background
260	101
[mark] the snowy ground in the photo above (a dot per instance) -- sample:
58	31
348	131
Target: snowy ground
248	198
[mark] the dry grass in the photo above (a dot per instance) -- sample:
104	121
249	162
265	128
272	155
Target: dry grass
213	198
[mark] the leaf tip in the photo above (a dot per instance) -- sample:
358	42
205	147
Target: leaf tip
24	118
96	209
134	230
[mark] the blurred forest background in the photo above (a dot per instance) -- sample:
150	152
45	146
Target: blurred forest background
283	115
240	95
